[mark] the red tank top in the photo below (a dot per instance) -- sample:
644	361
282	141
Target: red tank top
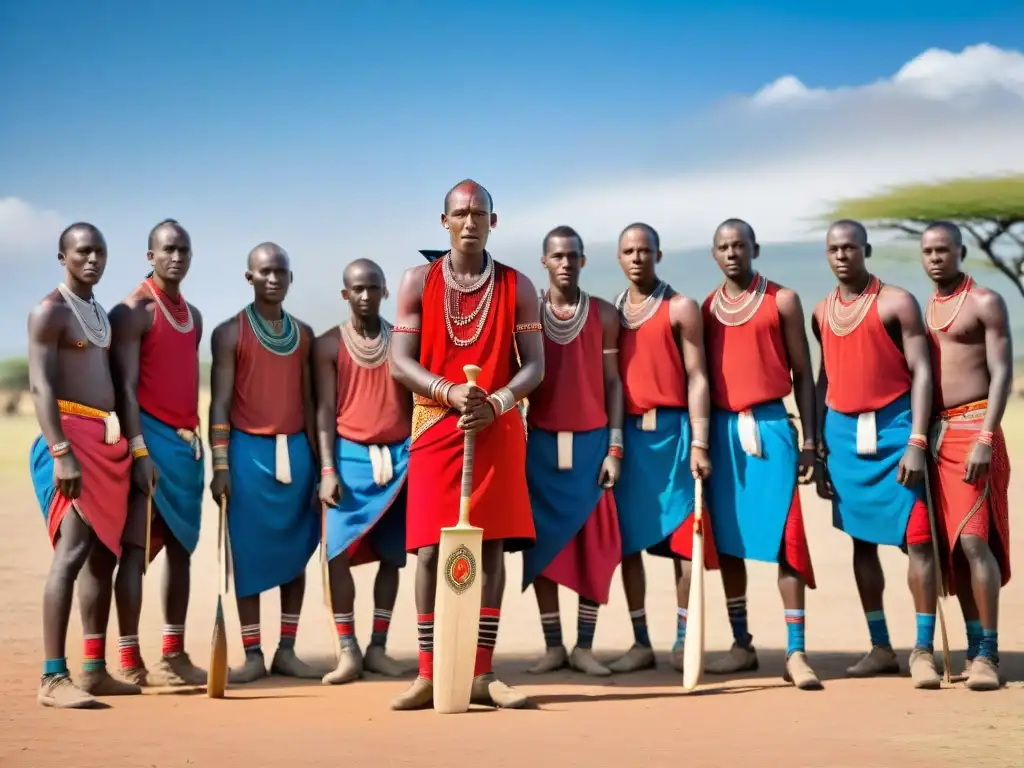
866	370
169	364
651	365
571	397
268	387
747	364
373	408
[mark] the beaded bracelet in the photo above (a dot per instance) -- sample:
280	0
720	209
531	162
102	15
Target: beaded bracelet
325	471
985	437
699	444
528	328
918	441
404	329
615	437
140	453
63	448
615	451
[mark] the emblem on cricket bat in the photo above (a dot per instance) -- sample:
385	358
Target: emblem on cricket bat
460	570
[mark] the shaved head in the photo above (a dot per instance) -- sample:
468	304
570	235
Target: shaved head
950	229
74	229
362	267
856	227
165	223
651	232
739	224
265	251
469	186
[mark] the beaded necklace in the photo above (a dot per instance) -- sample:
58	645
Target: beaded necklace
563	329
735	312
454	294
631	315
90	315
367	353
960	294
182	309
280	342
845	317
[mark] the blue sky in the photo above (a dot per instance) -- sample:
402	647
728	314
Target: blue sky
335	129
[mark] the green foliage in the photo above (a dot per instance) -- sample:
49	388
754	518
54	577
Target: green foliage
998	198
14	374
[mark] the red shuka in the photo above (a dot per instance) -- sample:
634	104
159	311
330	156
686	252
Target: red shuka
866	370
747	364
500	502
169	366
651	365
571	397
373	408
268	387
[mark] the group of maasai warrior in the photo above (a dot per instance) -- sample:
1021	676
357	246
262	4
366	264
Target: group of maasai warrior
630	403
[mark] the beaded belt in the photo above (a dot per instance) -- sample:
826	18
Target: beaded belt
111	424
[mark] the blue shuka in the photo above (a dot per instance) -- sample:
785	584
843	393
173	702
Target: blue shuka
180	478
749	497
368	509
870	504
562	500
654	496
274	527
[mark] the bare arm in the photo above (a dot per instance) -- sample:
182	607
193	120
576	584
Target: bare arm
822	386
405	344
689	325
45	327
915	350
197	320
999	355
129	322
613	399
308	398
222	375
325	362
530	343
794	335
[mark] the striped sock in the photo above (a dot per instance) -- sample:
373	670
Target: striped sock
251	639
54	667
878	629
586	624
289	629
174	639
973	638
681	614
489	619
94	653
381	625
989	647
737	607
796	622
425	636
345	624
639	619
925	632
131	657
551	625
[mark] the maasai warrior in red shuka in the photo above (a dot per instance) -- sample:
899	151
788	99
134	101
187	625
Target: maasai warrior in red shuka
466	309
972	365
875	382
80	467
757	353
363	421
572	456
262	432
665	386
156	369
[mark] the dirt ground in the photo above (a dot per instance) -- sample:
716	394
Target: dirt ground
754	719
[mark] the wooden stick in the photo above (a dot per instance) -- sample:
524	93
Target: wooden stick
149	527
217	673
940	586
325	575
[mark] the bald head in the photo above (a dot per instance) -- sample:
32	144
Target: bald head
739	225
950	229
650	231
166	224
70	234
470	187
363	271
855	228
265	252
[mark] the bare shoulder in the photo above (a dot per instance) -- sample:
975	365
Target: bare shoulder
988	305
225	335
48	316
197	316
609	314
524	285
414	278
305	329
683	309
327	342
788	301
894	301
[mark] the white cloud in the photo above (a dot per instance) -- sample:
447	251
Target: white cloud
781	157
24	230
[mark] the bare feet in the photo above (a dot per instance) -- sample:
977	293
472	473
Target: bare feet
636	658
254	669
58	691
553	660
490	691
419	695
800	674
880	660
922	670
376	660
583	660
287	664
740	658
350	667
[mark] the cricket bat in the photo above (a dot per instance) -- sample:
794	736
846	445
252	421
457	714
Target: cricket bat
217	673
940	587
457	601
693	646
325	575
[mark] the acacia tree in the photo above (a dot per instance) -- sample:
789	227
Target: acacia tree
989	209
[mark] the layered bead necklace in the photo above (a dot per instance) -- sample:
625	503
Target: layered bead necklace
366	352
90	315
178	316
737	311
631	315
845	317
563	329
936	301
455	293
280	338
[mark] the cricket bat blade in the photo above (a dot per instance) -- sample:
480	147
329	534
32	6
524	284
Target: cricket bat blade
456	617
693	645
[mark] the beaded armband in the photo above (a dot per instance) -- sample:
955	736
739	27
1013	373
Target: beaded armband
615	443
610	351
404	329
63	448
502	401
918	441
220	435
528	328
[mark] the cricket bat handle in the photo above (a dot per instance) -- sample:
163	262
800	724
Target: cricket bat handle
468	446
